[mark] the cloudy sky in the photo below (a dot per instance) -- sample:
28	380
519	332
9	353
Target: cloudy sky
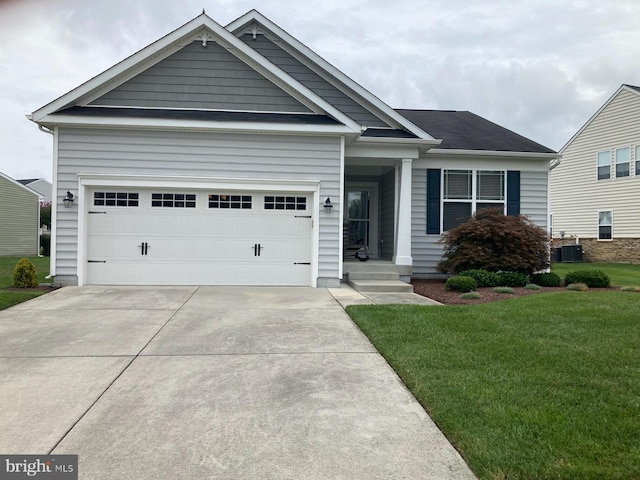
538	67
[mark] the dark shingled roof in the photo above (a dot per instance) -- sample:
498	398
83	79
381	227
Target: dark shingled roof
632	86
468	131
27	181
292	118
387	133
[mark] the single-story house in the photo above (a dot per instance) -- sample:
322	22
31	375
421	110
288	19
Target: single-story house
237	156
19	218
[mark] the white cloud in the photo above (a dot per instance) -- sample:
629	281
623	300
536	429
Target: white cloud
540	67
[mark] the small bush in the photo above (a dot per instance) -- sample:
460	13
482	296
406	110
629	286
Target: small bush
24	274
577	287
513	279
630	289
508	290
45	244
482	277
546	279
470	296
532	286
460	283
591	278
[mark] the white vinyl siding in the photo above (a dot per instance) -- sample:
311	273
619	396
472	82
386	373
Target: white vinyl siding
577	195
170	154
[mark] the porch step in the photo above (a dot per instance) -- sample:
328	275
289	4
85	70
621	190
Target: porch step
380	285
373	275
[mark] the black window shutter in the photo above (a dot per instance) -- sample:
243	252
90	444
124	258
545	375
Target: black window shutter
433	200
513	193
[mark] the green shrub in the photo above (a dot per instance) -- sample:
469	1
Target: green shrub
483	278
546	279
470	296
508	290
577	287
591	278
460	283
45	244
24	274
532	286
493	241
513	279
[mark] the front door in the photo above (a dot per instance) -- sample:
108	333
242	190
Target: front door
361	216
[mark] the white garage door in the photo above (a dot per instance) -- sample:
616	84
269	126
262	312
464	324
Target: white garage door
173	237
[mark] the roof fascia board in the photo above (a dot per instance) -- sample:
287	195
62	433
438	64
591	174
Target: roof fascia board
236	46
400	141
315	59
593	117
494	153
212	125
17	183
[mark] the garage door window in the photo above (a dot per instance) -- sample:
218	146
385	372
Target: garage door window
173	200
285	203
230	201
115	199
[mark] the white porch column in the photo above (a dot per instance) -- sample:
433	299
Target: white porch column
403	226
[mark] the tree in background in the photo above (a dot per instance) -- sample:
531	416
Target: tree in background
495	242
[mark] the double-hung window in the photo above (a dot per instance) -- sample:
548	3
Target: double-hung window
467	191
605	225
623	160
604	165
638	160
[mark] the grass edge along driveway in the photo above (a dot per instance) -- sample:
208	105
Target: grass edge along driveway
546	386
9	298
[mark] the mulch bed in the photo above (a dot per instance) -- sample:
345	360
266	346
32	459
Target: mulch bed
434	289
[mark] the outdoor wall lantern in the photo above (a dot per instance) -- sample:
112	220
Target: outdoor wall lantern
68	200
328	205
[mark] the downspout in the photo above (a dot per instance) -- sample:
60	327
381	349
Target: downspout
44	129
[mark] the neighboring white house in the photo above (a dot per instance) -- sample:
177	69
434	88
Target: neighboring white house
595	191
40	185
19	218
237	156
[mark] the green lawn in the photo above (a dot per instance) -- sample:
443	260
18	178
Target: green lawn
539	387
9	298
621	274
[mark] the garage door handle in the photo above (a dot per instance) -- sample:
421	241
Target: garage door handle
144	248
257	248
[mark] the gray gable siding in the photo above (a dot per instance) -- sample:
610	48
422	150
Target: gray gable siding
197	154
312	80
202	77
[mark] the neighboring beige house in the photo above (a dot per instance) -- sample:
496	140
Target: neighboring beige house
19	218
595	191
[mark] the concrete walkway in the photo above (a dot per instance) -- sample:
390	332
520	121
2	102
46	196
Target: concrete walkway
210	382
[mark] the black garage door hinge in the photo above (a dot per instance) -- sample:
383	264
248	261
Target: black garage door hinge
302	263
96	261
91	213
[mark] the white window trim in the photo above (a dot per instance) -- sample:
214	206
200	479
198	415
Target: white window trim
474	188
611	170
615	170
636	161
598	226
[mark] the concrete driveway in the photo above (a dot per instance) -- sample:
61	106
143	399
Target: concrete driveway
209	382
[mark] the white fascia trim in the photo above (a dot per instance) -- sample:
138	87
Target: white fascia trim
400	141
169	124
235	46
197	183
385	109
593	117
494	153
